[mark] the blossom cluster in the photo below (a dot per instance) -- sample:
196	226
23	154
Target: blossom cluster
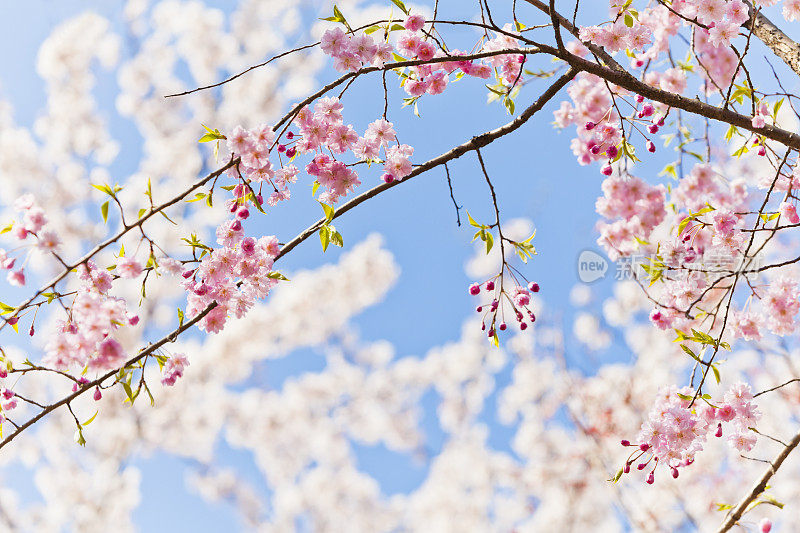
323	128
86	338
173	369
638	208
234	275
779	303
32	222
352	52
677	427
253	148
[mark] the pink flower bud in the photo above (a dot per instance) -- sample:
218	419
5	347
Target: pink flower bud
474	289
490	285
765	525
97	394
606	170
651	147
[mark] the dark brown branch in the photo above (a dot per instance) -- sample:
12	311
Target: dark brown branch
737	512
772	36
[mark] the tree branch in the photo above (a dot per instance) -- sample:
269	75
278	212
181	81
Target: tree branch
737	512
772	36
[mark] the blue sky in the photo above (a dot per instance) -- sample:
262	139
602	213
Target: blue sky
534	172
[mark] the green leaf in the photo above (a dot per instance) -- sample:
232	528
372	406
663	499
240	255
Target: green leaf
150	394
50	296
5	308
197	197
163	214
104	211
324	237
489	242
509	103
715	370
112	192
336	237
778	105
473	223
211	135
91	419
337	17
691	353
180	317
329	212
277	275
401	5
